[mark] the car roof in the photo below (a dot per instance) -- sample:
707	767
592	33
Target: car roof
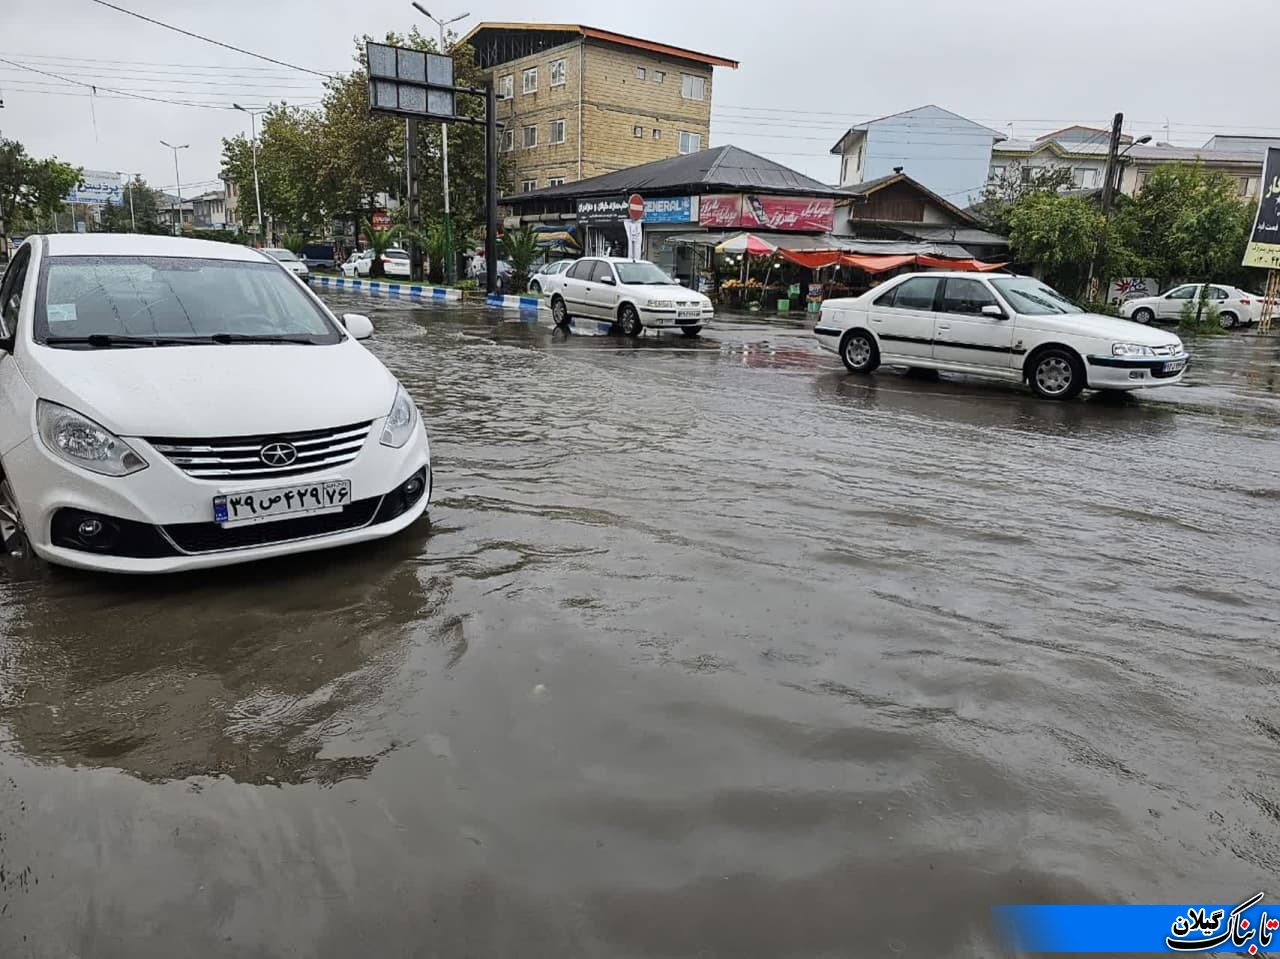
134	244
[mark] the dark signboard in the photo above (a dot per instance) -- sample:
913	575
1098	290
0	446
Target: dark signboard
410	82
609	209
1264	244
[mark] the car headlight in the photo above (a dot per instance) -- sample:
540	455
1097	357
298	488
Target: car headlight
400	421
82	442
661	304
1131	349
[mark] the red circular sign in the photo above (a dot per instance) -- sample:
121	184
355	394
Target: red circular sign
635	206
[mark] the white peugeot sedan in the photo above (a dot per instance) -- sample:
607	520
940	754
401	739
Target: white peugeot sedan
172	404
1011	327
630	294
1236	307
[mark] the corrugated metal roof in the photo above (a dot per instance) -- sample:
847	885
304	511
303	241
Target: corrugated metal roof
1141	152
867	186
608	36
727	168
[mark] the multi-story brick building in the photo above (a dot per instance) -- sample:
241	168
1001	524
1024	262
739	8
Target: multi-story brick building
577	102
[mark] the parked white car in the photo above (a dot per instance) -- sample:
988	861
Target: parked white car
175	404
1009	327
631	294
290	262
351	268
1239	307
395	263
540	276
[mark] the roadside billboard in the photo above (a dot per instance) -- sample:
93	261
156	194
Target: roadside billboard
753	211
1264	243
98	187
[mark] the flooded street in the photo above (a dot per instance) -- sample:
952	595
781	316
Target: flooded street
709	649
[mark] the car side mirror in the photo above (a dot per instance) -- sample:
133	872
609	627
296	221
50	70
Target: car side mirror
358	325
991	309
608	281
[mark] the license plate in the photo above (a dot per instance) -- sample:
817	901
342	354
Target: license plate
1174	365
688	314
280	502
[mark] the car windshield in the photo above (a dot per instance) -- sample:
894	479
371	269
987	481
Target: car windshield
640	271
280	255
136	300
1032	297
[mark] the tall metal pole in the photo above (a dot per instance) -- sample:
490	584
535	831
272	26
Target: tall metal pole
177	179
257	191
491	186
133	219
1108	178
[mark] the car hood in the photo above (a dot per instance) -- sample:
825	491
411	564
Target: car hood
1101	327
660	291
212	390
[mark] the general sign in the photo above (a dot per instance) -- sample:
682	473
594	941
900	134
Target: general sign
669	209
1264	243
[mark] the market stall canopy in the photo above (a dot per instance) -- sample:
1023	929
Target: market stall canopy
968	265
748	243
881	263
877	264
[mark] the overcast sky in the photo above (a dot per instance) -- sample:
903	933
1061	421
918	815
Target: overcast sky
807	71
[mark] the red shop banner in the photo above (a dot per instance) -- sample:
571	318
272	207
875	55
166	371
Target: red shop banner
751	211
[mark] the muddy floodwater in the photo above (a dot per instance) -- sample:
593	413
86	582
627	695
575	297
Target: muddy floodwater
709	649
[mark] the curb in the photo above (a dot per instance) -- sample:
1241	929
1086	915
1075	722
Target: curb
508	302
413	291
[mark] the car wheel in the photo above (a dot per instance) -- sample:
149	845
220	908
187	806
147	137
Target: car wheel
859	351
13	533
629	320
535	287
1143	315
1056	374
691	331
560	311
1228	321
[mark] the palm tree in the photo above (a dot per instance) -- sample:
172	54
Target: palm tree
520	246
381	240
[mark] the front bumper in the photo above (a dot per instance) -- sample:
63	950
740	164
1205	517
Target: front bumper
165	518
670	318
1134	373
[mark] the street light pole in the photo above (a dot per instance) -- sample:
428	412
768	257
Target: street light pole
177	178
133	220
257	192
444	146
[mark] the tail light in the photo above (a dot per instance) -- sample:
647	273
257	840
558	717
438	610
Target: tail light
1243	301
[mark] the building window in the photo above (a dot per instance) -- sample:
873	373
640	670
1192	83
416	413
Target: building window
693	88
530	137
557	131
690	142
1142	179
558	69
528	186
509	139
1243	185
506	87
529	80
659	76
638	132
641	73
556	181
657	134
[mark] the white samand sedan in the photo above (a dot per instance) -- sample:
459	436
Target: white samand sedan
290	262
629	294
169	404
1009	327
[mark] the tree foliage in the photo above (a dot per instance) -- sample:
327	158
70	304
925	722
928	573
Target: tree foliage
146	204
520	247
1002	193
31	190
1058	233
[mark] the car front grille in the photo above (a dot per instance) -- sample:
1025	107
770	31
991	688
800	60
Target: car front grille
1170	349
212	538
242	457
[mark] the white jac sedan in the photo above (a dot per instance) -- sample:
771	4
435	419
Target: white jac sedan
1010	327
169	404
630	294
1236	307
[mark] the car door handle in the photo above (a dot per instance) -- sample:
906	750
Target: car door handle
944	326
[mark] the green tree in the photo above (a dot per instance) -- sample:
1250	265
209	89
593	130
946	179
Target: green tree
1060	234
117	218
31	190
520	247
1002	193
291	171
1188	222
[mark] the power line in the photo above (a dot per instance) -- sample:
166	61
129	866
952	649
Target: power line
142	63
179	78
216	43
94	88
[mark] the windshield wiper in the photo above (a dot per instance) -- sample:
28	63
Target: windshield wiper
113	340
306	339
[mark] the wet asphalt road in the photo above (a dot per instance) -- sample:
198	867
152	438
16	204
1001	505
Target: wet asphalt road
709	650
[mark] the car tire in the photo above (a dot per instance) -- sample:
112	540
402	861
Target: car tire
1143	315
13	532
1228	320
560	311
859	352
629	320
1056	373
535	287
691	331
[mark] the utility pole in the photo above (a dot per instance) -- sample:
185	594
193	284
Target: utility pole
257	192
491	186
177	179
444	146
128	187
1108	183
